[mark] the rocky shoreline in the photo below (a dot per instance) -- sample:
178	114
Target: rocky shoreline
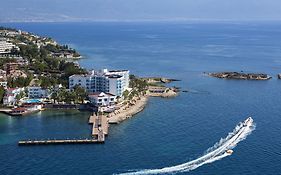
135	106
240	75
165	92
130	108
159	80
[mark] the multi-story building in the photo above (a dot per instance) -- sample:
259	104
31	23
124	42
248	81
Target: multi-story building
10	95
124	73
11	67
6	47
37	92
102	81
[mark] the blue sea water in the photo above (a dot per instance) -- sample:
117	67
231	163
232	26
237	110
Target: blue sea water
169	131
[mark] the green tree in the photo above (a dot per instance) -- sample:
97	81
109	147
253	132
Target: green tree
20	96
61	97
126	94
19	82
81	93
48	81
54	96
71	97
2	92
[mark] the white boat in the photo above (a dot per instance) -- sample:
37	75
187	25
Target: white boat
247	122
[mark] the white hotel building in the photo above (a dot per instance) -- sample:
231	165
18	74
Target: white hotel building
113	82
37	92
6	46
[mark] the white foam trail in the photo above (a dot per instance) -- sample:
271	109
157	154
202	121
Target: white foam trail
217	152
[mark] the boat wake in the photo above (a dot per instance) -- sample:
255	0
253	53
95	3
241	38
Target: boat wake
218	151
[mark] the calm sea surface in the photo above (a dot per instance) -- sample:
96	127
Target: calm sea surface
169	131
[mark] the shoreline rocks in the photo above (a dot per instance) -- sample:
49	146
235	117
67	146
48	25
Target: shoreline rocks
240	76
159	80
128	110
159	91
137	104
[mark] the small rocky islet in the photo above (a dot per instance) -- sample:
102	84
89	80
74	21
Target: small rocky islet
240	75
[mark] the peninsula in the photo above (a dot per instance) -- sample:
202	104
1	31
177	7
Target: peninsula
36	74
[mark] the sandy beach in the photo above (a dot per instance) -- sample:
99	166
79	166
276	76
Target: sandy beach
137	104
127	111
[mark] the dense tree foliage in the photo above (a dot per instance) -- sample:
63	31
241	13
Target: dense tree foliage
2	92
58	70
77	95
19	81
49	69
59	48
80	93
3	61
48	81
139	84
29	51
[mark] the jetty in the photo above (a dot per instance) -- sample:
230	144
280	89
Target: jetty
6	110
99	131
55	141
100	126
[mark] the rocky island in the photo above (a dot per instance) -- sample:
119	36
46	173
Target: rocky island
240	75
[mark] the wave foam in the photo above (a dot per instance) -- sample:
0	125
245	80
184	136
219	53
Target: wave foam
216	152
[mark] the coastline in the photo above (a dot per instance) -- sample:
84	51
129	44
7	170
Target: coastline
136	105
164	92
129	110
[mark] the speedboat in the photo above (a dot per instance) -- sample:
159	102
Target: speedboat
247	121
230	151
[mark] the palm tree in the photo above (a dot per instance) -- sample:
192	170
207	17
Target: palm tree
54	96
81	93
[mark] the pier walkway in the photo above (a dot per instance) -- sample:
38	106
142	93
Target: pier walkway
99	131
68	141
100	126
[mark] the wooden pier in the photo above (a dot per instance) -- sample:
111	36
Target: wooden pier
55	142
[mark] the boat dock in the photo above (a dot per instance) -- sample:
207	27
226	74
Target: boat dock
99	131
49	142
100	126
6	110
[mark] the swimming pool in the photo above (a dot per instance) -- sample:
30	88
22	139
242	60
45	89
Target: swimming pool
32	101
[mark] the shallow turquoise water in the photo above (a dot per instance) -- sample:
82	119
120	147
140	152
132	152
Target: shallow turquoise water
169	131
